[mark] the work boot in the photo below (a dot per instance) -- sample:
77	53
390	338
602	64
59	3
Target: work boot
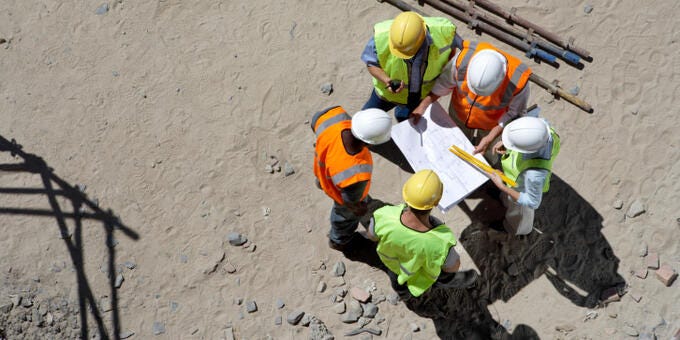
459	279
337	246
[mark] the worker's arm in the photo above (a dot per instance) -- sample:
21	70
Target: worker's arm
452	263
370	58
442	87
532	193
517	108
381	75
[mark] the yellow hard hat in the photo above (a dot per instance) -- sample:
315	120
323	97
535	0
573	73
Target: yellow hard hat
407	33
423	190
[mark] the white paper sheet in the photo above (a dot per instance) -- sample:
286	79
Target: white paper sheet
426	145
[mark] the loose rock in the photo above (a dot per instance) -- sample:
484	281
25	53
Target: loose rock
339	308
339	269
370	310
305	320
236	239
158	328
126	334
321	287
327	89
119	280
642	251
319	331
393	298
101	10
278	320
637	208
618	204
279	303
6	307
414	327
354	312
628	329
295	316
587	9
336	281
360	294
251	306
288	169
130	265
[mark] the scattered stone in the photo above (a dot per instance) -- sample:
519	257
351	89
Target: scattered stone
635	296
652	260
341	292
279	303
321	287
370	310
339	308
647	336
6	307
236	239
360	294
251	306
295	316
642	252
613	315
354	312
414	327
266	210
327	89
229	268
126	334
238	301
278	320
636	209
288	169
158	328
642	273
101	10
587	9
305	320
566	328
591	315
130	265
363	321
268	169
229	333
339	269
618	204
336	281
377	299
318	330
119	280
27	302
183	258
252	247
575	90
393	298
49	319
666	274
610	295
319	265
630	330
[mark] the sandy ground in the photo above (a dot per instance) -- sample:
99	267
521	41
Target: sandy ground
167	112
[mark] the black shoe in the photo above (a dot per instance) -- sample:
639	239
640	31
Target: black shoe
337	246
459	279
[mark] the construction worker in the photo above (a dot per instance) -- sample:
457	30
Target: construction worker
405	56
343	164
488	87
529	146
416	247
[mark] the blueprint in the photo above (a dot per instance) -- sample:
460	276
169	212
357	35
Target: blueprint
426	145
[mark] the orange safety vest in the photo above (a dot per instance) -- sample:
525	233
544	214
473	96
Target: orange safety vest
484	112
333	166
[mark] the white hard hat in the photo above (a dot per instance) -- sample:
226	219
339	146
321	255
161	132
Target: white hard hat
372	126
486	72
526	134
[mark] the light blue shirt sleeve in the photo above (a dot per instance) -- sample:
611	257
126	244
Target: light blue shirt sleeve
370	54
530	186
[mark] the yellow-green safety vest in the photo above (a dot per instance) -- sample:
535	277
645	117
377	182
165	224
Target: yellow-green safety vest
416	257
442	32
513	163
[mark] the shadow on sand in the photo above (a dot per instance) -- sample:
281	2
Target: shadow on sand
80	208
568	248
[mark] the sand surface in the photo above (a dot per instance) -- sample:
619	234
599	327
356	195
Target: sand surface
167	112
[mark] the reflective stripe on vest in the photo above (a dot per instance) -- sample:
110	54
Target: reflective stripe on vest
416	257
514	164
441	32
333	166
483	112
